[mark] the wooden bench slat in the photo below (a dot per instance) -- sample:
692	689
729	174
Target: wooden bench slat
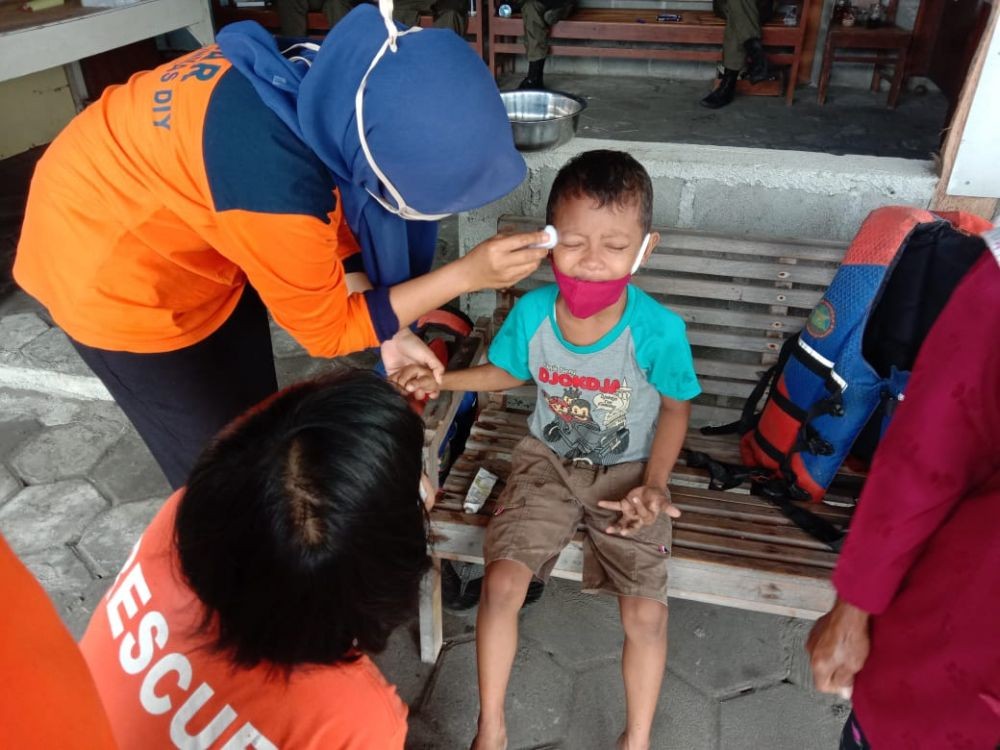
783	272
674	240
706	367
755	321
744	342
637	34
746	548
730	292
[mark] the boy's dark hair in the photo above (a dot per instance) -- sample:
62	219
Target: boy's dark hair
302	530
609	177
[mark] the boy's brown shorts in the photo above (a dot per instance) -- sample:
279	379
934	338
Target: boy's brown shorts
546	499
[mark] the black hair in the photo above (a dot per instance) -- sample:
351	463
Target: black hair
302	530
609	177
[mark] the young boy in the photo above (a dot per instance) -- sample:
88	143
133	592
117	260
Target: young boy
615	377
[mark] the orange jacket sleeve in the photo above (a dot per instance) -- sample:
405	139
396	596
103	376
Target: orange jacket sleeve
48	696
294	262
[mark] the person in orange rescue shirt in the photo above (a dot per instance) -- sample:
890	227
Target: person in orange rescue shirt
246	612
47	696
172	215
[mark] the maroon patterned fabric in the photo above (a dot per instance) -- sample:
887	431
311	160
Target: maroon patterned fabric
923	553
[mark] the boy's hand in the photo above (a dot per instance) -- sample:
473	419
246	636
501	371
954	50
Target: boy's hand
417	381
502	261
640	507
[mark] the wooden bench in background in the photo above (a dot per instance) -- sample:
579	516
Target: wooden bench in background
319	25
741	298
636	34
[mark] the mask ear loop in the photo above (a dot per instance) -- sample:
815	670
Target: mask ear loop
311	46
385	7
402	209
639	257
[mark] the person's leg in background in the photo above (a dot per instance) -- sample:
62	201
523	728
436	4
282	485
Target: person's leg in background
293	17
741	46
179	400
408	11
334	10
539	17
451	14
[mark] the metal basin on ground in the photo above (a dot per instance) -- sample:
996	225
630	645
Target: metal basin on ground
542	119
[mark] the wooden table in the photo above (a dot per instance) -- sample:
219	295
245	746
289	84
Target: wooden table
34	41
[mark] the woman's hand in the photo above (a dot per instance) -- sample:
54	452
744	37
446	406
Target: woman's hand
838	646
640	507
504	260
417	381
406	349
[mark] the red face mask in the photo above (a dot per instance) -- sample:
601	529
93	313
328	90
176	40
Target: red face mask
587	298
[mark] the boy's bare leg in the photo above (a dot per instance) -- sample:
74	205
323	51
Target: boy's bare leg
644	657
504	587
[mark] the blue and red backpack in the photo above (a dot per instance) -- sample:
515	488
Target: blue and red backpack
834	388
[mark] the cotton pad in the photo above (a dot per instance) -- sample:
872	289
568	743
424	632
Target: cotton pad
553	238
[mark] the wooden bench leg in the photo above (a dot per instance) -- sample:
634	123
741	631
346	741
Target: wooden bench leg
877	72
824	76
431	631
897	78
793	79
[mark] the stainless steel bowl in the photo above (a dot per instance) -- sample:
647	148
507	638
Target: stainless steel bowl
542	119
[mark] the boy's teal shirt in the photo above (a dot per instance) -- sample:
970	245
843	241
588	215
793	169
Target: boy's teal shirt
599	402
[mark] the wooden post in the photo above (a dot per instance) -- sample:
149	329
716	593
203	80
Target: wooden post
942	201
431	625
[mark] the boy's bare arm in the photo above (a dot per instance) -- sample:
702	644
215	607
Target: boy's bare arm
481	378
420	381
641	506
671	429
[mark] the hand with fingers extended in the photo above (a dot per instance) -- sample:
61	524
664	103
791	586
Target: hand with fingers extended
504	260
417	380
838	647
640	507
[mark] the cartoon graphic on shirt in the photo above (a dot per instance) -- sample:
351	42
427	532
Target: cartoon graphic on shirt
576	426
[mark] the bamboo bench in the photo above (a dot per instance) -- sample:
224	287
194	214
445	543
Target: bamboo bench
636	34
319	25
741	298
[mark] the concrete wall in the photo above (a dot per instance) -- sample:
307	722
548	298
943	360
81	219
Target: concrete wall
731	190
34	109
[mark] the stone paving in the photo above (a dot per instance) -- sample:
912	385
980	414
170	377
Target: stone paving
77	487
662	110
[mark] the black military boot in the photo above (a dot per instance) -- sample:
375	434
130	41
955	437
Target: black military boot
724	92
534	78
757	70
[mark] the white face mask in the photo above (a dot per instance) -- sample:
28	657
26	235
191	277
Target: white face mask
400	209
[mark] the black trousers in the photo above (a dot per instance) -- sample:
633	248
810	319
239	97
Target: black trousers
852	738
179	400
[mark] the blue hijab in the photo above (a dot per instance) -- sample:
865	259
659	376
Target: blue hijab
434	123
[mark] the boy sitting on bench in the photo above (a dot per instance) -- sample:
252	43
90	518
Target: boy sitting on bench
615	375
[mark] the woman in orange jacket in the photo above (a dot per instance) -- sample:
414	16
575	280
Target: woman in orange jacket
173	214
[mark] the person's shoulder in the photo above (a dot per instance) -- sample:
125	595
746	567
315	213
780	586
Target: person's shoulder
353	701
653	317
542	295
254	162
535	305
